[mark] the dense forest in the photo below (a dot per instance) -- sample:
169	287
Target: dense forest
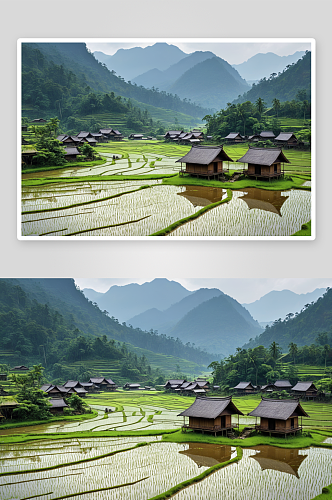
283	86
251	118
300	328
66	79
45	311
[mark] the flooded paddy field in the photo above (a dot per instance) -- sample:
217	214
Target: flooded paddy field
115	468
62	203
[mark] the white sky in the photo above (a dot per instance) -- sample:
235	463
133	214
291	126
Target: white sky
244	290
233	52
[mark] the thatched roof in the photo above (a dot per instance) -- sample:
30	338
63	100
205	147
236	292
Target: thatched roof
71	383
58	403
204	155
210	407
285	136
279	409
175	382
283	384
233	135
267	134
243	385
263	156
304	386
71	151
83	134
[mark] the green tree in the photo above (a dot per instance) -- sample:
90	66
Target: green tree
276	105
293	350
275	351
76	403
260	105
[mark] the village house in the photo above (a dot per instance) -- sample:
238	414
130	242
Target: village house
204	161
132	387
57	406
89	386
105	384
69	140
279	416
38	120
306	390
243	388
286	139
210	415
173	384
283	385
173	134
267	135
71	154
110	133
264	163
20	367
234	137
7	408
57	391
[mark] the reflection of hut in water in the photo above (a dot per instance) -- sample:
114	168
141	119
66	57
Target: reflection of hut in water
207	455
201	196
280	459
262	199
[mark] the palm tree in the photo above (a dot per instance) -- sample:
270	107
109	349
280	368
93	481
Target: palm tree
293	350
276	105
275	351
260	105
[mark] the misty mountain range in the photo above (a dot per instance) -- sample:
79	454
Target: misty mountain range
208	318
200	77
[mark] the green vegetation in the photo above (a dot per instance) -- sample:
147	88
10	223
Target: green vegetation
310	329
172	491
172	227
305	230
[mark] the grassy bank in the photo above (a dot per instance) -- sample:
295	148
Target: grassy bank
293	182
180	222
92	178
305	230
28	423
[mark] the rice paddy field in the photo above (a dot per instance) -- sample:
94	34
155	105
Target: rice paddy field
127	196
35	462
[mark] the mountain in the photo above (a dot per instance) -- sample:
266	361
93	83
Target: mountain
218	325
124	302
163	321
82	317
163	79
69	70
283	87
277	304
212	83
263	65
129	63
302	329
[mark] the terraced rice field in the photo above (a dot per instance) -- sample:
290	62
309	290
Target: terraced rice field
94	201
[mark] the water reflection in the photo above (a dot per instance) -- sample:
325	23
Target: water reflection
270	201
280	459
207	455
201	196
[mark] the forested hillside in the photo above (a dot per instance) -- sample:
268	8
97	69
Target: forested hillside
300	328
61	76
58	298
282	86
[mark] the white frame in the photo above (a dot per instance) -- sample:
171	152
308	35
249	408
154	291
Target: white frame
312	41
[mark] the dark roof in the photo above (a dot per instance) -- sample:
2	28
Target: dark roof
58	403
233	135
303	386
175	381
263	156
210	407
61	137
60	388
90	139
284	136
20	367
71	151
83	134
243	385
267	133
282	383
109	381
96	380
71	383
280	409
86	384
45	387
80	390
204	155
174	132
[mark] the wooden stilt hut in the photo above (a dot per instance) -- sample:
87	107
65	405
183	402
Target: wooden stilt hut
204	161
210	415
264	163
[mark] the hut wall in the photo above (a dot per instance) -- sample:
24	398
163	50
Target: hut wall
281	425
265	169
203	423
196	168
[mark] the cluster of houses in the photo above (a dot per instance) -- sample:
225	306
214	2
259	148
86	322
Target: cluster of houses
214	415
179	137
70	142
207	162
183	387
285	139
305	390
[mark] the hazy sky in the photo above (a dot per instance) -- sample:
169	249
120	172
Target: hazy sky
244	290
232	52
